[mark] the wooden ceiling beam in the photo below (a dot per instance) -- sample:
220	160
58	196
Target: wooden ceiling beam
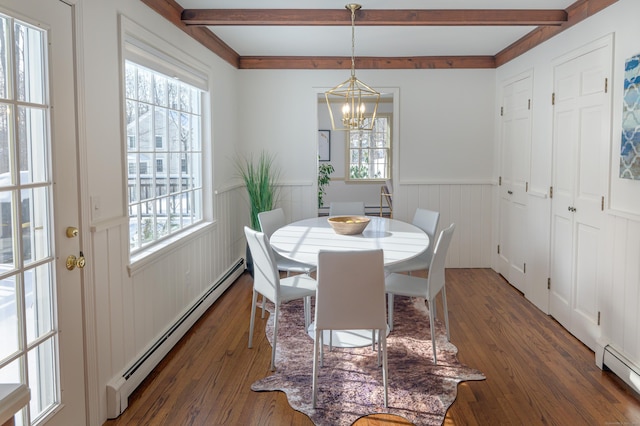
372	17
172	11
578	11
364	62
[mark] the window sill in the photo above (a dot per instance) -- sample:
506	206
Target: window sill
141	260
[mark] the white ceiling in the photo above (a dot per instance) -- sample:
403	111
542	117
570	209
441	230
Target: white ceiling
388	41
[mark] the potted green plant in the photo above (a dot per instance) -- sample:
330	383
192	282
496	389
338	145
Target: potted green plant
324	177
260	176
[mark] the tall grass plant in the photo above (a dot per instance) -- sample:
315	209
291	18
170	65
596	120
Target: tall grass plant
260	176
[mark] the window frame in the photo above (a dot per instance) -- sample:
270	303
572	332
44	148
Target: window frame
145	49
389	148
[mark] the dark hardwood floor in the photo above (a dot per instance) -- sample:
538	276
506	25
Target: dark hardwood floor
537	373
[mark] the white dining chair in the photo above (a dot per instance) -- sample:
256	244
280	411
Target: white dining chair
350	296
267	282
427	220
427	288
338	208
270	222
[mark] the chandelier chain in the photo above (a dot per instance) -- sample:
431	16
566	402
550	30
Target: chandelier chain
353	40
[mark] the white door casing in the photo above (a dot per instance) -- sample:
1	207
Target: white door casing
581	142
53	20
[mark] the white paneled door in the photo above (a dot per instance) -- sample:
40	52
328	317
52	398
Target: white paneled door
581	138
515	127
40	299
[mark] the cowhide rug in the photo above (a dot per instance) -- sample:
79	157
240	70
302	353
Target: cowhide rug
350	382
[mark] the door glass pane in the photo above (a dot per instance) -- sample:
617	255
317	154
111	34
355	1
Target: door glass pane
35	224
32	139
5	154
42	378
8	317
7	243
38	301
29	52
4	59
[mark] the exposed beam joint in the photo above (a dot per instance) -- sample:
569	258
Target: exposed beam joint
372	17
171	11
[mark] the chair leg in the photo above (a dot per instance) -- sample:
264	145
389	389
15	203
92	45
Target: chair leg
275	337
321	347
435	308
432	320
446	312
307	313
264	302
254	300
330	340
390	310
385	373
317	346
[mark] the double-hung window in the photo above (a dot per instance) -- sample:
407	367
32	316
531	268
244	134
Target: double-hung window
164	149
369	151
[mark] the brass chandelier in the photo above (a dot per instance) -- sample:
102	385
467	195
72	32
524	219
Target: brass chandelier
352	98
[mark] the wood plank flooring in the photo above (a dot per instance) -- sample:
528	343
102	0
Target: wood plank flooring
537	373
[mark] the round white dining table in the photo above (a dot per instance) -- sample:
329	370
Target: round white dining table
302	240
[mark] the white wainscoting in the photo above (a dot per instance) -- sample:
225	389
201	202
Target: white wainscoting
468	205
132	312
620	301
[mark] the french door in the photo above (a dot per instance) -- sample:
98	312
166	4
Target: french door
40	298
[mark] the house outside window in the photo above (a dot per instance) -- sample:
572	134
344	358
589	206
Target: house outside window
163	116
369	152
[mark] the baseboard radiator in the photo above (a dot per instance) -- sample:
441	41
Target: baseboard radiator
120	387
622	367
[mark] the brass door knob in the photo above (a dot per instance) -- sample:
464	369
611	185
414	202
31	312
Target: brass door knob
71	262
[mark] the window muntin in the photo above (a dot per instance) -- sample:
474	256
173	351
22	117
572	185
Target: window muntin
369	152
163	119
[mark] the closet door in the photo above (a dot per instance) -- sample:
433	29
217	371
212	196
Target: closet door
581	138
514	177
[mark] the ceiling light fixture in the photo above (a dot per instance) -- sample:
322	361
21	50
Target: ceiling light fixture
352	98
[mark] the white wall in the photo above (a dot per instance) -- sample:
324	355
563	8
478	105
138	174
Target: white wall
445	134
619	301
